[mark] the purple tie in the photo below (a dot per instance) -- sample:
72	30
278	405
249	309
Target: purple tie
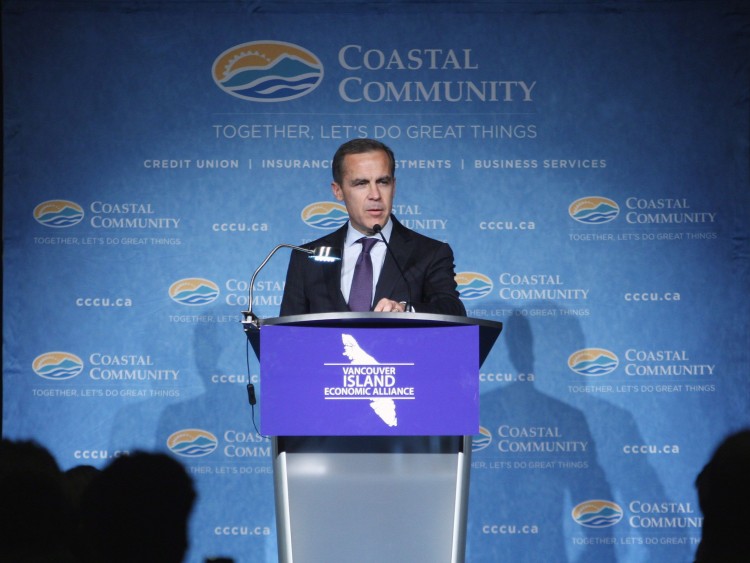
360	295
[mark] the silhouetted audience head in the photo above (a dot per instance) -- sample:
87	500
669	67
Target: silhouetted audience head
76	480
137	509
724	496
35	513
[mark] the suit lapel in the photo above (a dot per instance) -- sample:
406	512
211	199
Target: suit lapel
333	274
401	245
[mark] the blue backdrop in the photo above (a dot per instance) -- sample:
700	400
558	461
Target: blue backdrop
588	163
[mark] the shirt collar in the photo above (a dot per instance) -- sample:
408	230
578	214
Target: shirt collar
353	235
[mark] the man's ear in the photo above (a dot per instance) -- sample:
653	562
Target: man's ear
338	193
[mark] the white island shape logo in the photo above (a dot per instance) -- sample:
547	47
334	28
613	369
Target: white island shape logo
385	408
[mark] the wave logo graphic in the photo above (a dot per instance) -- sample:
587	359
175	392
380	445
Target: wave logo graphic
593	362
192	442
473	285
57	365
593	210
597	514
194	291
58	213
324	215
267	71
481	440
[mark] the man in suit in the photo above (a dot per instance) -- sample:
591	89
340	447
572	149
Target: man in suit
364	179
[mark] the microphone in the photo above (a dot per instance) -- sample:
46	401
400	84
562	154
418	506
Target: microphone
378	230
322	254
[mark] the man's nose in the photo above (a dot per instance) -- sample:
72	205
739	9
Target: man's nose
374	191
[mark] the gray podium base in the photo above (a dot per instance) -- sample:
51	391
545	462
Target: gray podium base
371	499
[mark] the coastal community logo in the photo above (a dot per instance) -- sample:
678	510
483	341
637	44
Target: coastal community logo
593	362
57	365
267	71
324	215
192	442
194	291
58	213
473	285
597	514
482	440
594	210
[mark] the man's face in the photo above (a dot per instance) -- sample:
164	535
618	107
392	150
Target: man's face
367	189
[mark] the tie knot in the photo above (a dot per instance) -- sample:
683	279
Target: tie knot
367	243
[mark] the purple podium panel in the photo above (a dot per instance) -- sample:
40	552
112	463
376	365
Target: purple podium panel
318	381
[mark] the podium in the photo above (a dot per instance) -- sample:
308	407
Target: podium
371	417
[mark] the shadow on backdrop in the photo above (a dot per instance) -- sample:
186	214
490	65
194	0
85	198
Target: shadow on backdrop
588	432
237	474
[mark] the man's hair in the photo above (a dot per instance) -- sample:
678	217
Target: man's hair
359	146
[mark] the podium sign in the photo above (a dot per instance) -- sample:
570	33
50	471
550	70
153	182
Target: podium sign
371	417
346	381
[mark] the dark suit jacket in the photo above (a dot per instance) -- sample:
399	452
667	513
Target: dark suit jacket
427	264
